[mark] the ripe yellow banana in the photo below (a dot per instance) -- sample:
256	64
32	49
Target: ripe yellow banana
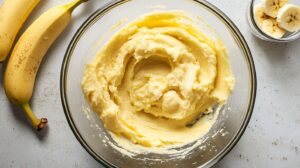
24	62
13	14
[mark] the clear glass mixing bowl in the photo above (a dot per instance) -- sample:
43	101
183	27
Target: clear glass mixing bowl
100	27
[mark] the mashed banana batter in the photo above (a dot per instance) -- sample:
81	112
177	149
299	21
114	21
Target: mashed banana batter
154	79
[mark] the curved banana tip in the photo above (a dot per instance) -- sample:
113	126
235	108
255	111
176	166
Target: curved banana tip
42	124
37	123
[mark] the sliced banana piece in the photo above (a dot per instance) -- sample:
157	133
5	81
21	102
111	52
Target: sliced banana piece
288	17
271	7
270	27
259	14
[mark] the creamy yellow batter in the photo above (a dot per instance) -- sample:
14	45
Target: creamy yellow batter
155	77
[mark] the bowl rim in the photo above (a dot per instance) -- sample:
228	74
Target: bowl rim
214	10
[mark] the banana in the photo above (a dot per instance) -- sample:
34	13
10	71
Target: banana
266	23
259	15
270	27
24	62
13	14
288	17
271	7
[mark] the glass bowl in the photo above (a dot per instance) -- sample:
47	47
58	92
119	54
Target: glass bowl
86	124
289	37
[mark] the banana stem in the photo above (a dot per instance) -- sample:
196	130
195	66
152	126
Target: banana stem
37	123
71	6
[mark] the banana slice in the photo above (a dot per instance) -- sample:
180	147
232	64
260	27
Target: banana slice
259	14
271	7
288	18
270	27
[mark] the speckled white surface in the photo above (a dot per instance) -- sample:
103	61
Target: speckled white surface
272	138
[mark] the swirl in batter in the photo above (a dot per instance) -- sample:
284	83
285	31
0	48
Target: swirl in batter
155	77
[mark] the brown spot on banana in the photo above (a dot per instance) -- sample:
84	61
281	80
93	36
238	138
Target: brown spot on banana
13	14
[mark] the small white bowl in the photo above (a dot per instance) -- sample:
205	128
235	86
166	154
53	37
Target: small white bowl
262	35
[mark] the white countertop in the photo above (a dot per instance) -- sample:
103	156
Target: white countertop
272	138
